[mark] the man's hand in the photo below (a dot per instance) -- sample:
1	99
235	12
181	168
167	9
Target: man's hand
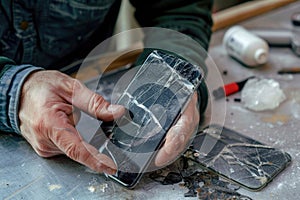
49	111
180	134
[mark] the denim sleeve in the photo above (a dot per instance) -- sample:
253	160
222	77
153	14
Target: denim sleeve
11	83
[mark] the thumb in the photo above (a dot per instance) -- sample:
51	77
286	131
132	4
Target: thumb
94	104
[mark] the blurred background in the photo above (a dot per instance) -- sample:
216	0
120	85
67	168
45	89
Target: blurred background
126	20
221	4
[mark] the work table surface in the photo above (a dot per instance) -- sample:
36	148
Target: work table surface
25	175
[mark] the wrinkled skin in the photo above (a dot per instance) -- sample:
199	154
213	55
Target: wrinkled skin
50	108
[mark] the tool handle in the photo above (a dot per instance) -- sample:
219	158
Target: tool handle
275	37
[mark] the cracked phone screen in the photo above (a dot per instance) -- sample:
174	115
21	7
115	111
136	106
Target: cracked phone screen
154	99
239	158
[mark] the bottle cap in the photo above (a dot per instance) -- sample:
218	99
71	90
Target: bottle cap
261	56
296	19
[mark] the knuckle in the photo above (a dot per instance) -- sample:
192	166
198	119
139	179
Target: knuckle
97	102
41	153
38	125
71	151
70	147
42	150
70	85
76	84
41	146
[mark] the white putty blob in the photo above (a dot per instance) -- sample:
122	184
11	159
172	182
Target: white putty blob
262	94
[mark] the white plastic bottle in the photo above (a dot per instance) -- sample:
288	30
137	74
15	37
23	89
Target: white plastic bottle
245	46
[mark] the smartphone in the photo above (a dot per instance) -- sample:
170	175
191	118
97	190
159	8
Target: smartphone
238	158
155	97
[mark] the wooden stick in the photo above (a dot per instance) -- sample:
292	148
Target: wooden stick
244	11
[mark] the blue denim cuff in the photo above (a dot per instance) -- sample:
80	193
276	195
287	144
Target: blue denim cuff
10	91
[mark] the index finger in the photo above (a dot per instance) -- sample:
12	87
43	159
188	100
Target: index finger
94	104
69	141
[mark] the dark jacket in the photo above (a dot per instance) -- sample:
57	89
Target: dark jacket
52	34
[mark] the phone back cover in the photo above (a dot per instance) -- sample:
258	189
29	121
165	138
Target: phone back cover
236	157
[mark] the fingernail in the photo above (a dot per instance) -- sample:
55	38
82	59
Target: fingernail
115	108
110	171
160	161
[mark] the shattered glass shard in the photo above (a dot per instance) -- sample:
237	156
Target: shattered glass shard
239	158
201	183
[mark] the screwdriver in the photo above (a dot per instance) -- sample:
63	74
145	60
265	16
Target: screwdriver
230	88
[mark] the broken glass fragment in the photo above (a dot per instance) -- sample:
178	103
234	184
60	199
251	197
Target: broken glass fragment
239	158
199	182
